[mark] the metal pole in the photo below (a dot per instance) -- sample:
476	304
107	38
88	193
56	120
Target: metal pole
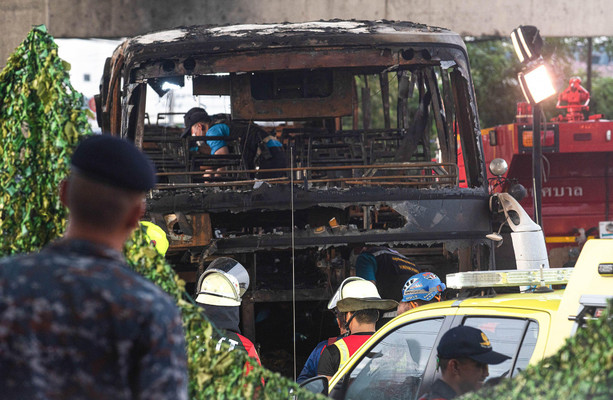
588	85
537	156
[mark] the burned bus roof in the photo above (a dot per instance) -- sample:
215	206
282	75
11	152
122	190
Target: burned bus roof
196	40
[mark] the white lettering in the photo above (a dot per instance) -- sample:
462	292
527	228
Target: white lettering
231	343
560	191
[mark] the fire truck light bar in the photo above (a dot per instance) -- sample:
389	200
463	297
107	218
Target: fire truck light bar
528	277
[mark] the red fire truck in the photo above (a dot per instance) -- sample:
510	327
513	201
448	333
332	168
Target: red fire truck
577	169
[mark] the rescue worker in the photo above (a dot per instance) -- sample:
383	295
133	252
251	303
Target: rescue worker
464	353
75	320
387	268
310	367
360	303
220	289
259	148
420	289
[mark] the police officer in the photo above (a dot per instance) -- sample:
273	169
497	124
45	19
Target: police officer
420	289
220	289
387	268
464	353
75	321
360	303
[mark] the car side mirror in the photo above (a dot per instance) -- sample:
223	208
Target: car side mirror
317	384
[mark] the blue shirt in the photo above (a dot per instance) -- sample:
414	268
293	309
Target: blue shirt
217	130
311	364
366	266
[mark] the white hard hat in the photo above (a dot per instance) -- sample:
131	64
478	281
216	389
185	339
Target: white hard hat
223	283
338	293
356	294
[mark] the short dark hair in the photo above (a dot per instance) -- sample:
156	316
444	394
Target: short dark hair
97	204
443	363
369	316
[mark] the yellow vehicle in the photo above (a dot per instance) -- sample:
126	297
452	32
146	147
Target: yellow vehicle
399	361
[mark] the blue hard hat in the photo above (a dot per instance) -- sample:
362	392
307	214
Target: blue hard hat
423	286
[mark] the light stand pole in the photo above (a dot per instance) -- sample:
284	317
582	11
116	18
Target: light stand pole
537	158
536	84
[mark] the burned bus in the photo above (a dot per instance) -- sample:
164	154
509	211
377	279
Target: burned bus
379	127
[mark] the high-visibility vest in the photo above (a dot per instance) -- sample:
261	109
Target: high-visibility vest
349	345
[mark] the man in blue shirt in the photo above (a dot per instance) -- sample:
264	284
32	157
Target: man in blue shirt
258	147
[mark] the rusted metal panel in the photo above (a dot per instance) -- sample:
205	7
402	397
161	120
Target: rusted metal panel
385	97
140	116
197	40
366	104
200	228
244	106
211	85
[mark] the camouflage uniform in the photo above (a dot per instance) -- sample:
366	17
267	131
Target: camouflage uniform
76	323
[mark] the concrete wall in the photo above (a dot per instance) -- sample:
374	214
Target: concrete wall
119	18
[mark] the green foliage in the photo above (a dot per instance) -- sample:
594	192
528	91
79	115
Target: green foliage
40	122
213	373
601	97
581	369
494	68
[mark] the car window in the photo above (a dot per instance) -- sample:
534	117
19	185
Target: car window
506	335
394	367
527	348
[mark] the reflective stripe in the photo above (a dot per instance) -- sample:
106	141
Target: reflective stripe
343	351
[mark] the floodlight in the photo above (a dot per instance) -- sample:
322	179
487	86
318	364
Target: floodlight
498	166
536	84
527	43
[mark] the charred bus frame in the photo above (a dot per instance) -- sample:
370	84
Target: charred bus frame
354	177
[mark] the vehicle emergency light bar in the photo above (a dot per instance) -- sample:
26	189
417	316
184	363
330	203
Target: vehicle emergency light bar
526	277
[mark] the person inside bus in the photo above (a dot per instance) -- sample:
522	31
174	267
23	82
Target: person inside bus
259	148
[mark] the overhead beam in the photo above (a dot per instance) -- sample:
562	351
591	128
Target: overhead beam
121	18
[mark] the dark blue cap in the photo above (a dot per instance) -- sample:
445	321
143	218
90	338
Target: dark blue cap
115	162
468	342
193	116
